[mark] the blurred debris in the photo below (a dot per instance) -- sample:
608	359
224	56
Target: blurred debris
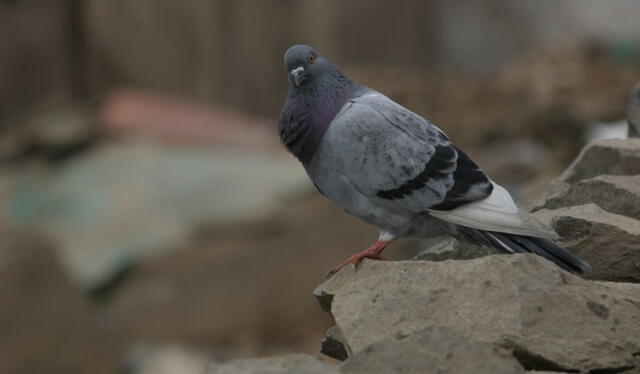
47	325
165	359
34	58
613	130
51	132
548	90
161	117
236	280
126	199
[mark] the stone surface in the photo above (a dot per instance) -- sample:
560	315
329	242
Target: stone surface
608	241
432	350
520	302
618	194
609	156
332	345
289	364
47	325
449	248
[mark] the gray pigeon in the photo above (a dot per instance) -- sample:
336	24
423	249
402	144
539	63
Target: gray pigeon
633	113
395	170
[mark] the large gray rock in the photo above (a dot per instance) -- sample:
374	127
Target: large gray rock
449	248
608	241
289	364
432	350
618	194
607	156
551	319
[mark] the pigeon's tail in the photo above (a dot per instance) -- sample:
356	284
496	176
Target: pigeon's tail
546	248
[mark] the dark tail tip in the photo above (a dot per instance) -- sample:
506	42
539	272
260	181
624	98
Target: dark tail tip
542	247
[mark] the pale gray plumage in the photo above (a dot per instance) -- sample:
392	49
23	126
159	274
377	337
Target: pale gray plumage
394	169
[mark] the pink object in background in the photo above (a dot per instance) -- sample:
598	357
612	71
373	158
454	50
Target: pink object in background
174	120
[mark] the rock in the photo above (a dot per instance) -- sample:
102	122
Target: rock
615	193
289	364
332	345
618	194
520	302
450	248
432	350
608	241
609	156
47	325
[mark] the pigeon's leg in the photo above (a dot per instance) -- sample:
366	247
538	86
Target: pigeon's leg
374	252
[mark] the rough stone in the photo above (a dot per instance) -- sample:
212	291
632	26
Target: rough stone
432	350
332	345
607	156
289	364
618	194
450	248
520	302
608	241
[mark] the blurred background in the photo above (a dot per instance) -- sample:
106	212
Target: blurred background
149	219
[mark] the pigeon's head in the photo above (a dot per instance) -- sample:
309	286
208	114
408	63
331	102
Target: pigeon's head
304	64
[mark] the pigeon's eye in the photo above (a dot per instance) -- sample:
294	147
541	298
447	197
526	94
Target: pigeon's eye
311	58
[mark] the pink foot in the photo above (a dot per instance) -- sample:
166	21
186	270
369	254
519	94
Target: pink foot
374	252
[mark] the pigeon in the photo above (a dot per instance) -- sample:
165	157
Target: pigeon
633	113
396	170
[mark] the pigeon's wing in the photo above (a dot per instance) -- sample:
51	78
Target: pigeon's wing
401	160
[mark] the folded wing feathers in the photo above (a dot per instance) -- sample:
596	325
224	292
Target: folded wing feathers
497	213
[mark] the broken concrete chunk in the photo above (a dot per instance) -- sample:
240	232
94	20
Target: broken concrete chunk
434	350
607	156
289	364
549	318
618	194
608	241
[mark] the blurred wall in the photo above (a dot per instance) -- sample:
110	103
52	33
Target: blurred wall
230	51
35	58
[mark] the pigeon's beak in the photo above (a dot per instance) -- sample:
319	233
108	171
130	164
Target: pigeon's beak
298	76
